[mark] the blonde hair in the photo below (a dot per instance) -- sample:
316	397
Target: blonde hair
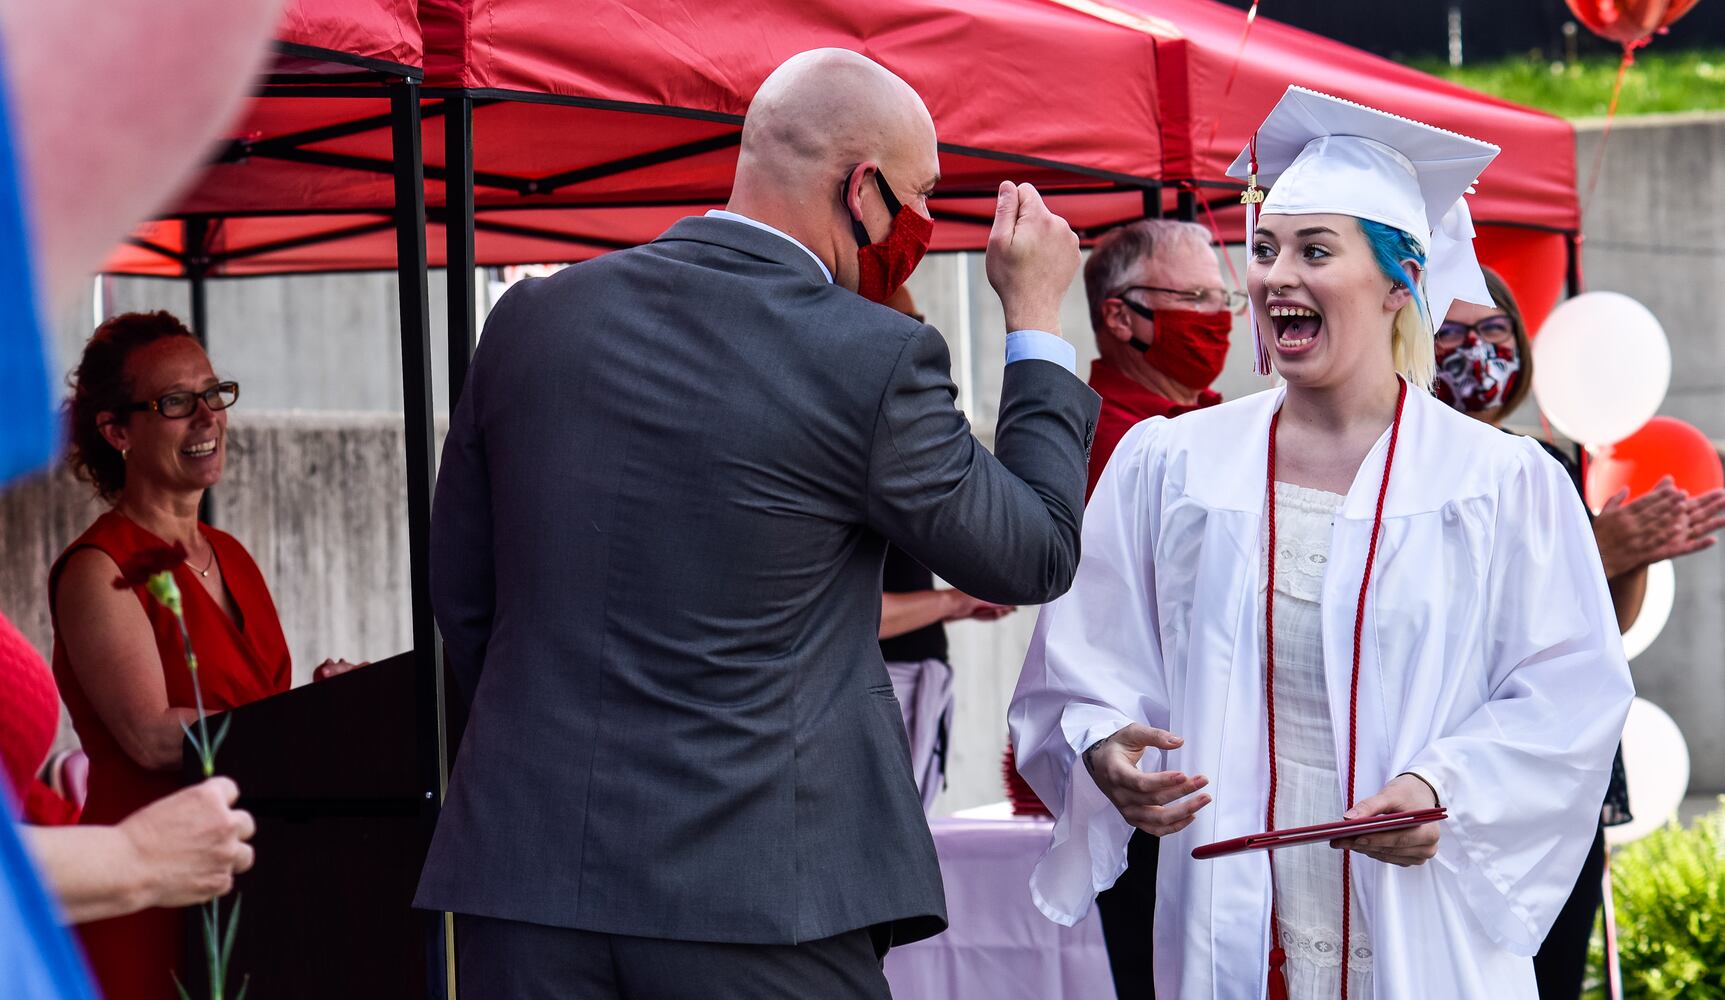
1411	346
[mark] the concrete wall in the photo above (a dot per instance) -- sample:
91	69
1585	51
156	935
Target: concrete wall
316	342
317	496
1653	233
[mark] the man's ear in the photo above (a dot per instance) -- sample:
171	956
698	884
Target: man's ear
854	186
1116	320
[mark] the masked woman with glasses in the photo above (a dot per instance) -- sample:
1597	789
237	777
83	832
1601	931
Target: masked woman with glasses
1485	370
148	423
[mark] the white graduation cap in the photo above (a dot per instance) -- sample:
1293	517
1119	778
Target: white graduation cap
1322	155
1452	268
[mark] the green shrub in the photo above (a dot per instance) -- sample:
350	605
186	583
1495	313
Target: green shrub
1669	890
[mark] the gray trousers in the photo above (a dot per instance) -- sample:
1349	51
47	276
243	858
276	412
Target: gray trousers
508	960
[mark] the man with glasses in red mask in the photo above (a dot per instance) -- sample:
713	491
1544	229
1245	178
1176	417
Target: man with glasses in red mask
1162	317
656	564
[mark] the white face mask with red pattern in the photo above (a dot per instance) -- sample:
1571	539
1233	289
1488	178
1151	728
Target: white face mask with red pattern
1477	375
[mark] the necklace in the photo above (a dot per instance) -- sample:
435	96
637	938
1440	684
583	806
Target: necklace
1278	985
209	564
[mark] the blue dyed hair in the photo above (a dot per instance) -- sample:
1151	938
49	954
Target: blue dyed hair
1390	247
1411	333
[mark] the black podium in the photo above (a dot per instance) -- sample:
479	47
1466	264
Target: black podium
342	778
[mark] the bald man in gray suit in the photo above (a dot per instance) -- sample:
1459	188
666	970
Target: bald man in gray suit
656	564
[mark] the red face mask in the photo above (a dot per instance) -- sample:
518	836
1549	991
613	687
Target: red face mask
882	267
1188	346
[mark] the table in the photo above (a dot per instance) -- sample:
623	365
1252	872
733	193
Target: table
999	946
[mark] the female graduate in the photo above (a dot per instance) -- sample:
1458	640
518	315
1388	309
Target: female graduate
1348	600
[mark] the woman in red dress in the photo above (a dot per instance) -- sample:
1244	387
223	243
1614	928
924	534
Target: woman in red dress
149	429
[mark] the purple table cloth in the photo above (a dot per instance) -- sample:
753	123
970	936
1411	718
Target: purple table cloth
999	946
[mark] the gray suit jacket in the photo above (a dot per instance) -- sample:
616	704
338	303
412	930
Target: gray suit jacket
656	565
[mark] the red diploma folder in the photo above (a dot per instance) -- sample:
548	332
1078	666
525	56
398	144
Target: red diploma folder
1271	839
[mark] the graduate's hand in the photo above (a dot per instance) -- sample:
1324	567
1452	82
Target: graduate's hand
1157	802
1413	846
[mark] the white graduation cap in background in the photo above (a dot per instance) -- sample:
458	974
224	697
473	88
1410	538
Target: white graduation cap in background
1321	155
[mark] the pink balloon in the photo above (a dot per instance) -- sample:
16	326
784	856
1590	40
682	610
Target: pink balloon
114	104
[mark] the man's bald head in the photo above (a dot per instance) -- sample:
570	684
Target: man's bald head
826	110
815	120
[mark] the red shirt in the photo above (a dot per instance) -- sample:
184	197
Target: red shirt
1125	403
133	957
31	716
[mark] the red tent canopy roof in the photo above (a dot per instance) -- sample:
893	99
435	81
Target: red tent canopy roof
1006	76
378	31
599	129
1207	122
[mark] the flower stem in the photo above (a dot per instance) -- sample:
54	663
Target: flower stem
203	742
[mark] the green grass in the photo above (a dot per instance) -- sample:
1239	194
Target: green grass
1657	83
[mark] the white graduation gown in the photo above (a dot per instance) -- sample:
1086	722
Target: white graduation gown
1491	667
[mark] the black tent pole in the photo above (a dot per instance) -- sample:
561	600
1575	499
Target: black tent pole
197	251
197	258
458	231
414	298
1186	206
1153	201
458	228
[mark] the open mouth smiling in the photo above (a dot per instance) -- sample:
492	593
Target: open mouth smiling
1297	327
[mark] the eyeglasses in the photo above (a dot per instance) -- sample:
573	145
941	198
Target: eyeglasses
1492	330
1207	299
179	405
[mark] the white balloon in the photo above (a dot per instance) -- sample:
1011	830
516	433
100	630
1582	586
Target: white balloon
1601	365
1656	761
1655	609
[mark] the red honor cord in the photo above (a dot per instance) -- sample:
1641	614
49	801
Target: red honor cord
1278	986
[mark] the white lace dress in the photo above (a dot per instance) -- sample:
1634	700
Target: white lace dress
1308	879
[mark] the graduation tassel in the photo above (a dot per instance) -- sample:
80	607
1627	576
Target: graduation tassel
1252	197
1278	981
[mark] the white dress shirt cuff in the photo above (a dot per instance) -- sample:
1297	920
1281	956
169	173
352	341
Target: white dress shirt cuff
1039	345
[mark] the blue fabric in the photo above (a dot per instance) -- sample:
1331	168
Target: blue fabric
28	428
1040	345
37	960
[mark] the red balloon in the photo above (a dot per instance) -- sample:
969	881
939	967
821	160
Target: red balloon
1628	22
1663	447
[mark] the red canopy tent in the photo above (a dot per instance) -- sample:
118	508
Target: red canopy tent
1526	206
268	190
597	131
